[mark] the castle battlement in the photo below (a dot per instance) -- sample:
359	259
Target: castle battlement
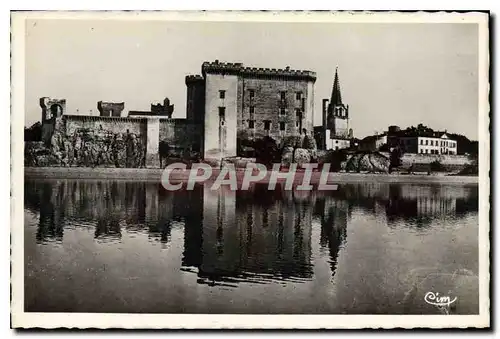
175	121
217	67
193	78
102	118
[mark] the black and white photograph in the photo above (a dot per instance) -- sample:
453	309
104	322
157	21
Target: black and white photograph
263	170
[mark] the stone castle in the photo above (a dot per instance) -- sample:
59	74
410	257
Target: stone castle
232	101
226	104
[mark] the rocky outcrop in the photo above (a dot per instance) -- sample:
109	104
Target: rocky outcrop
372	162
299	149
335	158
86	148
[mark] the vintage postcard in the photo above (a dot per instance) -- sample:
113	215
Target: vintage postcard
263	170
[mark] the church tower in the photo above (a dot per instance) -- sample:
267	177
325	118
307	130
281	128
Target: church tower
336	119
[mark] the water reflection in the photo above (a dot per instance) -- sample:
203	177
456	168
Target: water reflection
230	237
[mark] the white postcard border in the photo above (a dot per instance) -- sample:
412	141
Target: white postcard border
227	321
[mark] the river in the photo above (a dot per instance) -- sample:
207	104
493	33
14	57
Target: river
366	248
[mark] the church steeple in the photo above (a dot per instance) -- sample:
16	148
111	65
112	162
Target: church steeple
336	132
336	98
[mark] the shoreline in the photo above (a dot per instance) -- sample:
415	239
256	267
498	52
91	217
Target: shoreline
154	174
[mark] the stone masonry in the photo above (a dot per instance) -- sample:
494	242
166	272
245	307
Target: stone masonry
61	135
234	102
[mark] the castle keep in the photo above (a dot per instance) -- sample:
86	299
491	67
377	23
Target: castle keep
237	102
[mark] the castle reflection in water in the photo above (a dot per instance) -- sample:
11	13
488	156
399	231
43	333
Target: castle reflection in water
230	236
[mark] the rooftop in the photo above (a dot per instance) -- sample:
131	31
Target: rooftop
426	134
218	67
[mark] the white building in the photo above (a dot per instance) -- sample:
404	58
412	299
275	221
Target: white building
440	143
336	143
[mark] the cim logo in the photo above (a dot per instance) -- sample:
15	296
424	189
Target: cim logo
437	300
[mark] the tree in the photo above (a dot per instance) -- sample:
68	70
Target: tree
384	148
436	166
395	158
163	151
33	133
244	143
267	151
335	158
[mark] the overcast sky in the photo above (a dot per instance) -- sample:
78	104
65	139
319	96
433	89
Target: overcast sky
390	74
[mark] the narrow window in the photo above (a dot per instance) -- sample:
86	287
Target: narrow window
251	93
267	125
283	95
222	113
251	124
298	96
252	109
222	94
427	142
282	126
282	111
421	142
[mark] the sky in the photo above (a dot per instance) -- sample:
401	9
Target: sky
390	73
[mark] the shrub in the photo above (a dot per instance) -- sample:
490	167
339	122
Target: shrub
436	166
267	151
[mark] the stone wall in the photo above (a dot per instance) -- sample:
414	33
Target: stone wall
447	160
340	126
450	163
111	124
195	105
181	134
457	160
112	142
267	105
220	132
87	147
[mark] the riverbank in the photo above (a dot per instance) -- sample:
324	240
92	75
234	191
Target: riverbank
154	174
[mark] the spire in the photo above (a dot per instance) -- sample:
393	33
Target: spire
336	98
